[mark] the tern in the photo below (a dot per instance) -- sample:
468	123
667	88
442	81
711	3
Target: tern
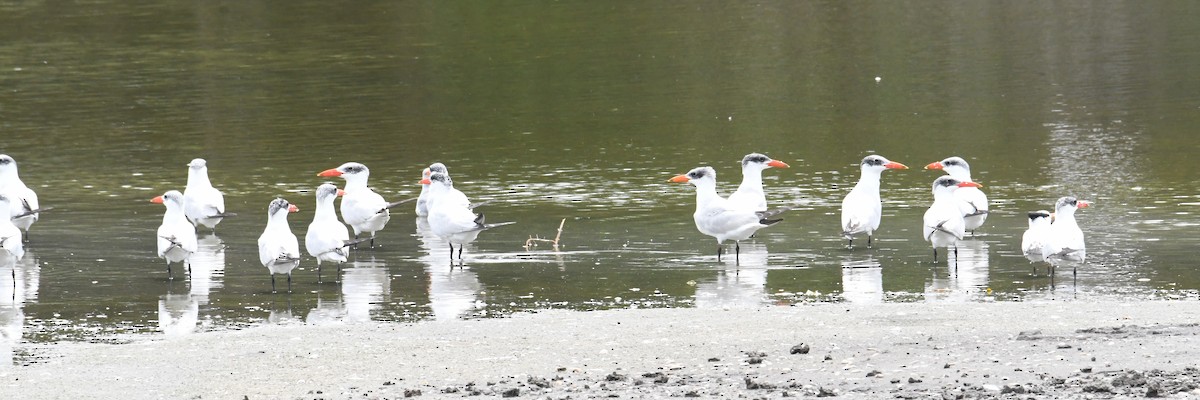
12	248
750	193
862	208
716	216
423	198
451	220
1064	243
202	203
278	249
176	236
943	224
363	209
1035	237
327	238
974	202
23	202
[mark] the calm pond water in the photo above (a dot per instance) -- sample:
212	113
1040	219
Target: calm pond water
582	111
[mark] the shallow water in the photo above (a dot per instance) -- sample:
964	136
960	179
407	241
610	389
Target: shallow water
582	112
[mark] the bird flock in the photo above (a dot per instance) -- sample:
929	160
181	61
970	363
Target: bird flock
959	206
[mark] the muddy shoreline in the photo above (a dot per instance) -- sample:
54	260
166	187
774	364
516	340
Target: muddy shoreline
909	350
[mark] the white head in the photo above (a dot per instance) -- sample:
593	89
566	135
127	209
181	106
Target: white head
700	177
198	164
877	163
351	172
1065	207
760	162
945	185
279	209
8	167
173	199
955	166
327	192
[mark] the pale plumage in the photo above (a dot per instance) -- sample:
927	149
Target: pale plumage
23	207
203	204
1064	244
327	238
715	216
176	236
1035	236
943	224
750	193
973	202
363	209
422	208
862	209
449	218
278	249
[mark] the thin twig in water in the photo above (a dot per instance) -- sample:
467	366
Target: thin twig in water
534	240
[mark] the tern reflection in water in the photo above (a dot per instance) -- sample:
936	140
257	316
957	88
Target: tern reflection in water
741	286
453	292
862	280
23	289
968	282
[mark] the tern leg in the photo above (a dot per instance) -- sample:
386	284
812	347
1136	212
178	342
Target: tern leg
338	278
170	275
460	259
289	282
273	284
719	248
850	243
955	260
737	253
451	253
935	255
372	240
319	270
868	241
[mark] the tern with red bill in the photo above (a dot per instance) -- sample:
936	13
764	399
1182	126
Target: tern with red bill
203	204
750	193
176	236
451	220
363	209
943	224
327	238
1064	244
862	209
716	216
423	199
973	202
278	249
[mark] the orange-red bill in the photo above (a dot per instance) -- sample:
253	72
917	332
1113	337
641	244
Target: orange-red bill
679	179
341	192
157	200
330	172
426	181
778	164
1083	204
969	184
293	208
935	165
895	165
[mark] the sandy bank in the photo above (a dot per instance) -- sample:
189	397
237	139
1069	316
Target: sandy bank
883	351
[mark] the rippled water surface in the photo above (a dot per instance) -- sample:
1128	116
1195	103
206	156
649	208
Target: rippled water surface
581	112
